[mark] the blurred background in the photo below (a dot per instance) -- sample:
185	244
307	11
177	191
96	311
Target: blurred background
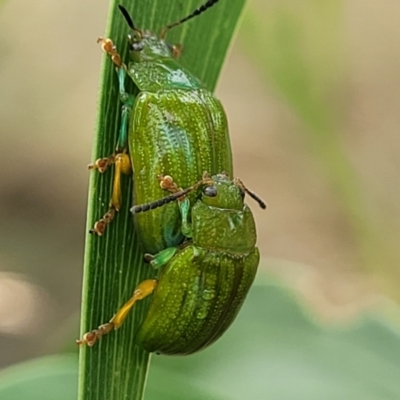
311	93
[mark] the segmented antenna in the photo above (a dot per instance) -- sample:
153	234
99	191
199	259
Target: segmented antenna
128	18
254	196
175	196
164	200
198	11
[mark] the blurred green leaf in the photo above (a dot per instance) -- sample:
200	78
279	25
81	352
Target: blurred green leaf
273	351
115	368
46	378
301	49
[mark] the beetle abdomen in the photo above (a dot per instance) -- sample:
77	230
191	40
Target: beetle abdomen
181	133
198	297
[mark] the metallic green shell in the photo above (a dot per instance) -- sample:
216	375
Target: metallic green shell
160	74
181	133
223	229
154	68
198	297
202	288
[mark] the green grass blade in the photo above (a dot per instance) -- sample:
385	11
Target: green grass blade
115	368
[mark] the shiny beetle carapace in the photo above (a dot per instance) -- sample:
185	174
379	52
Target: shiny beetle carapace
202	283
174	126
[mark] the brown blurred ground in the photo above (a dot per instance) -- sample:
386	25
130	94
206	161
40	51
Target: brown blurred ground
49	66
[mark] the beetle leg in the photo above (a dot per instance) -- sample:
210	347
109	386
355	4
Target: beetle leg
108	46
143	290
122	166
121	159
167	183
184	208
162	258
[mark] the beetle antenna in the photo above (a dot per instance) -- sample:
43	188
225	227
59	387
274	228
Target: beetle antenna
164	200
128	18
208	4
254	196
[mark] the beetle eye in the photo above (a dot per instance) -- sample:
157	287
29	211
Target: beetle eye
135	42
137	46
241	191
210	191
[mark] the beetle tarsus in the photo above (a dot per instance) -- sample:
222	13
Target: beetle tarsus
101	164
109	47
90	338
100	226
167	183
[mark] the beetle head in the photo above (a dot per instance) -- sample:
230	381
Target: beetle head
148	47
221	192
144	45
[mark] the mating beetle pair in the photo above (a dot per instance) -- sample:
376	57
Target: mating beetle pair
175	127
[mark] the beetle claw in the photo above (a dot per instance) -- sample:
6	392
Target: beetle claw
90	338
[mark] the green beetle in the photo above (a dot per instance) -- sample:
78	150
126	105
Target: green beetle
174	126
202	284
